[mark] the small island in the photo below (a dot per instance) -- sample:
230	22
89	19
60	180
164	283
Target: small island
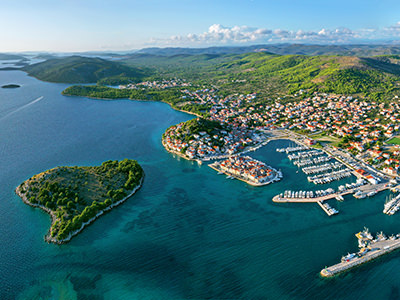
76	196
11	86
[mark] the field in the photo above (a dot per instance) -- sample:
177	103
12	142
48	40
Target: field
395	141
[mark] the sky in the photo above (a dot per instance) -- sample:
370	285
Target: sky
123	25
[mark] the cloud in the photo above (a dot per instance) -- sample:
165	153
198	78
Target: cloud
219	34
393	30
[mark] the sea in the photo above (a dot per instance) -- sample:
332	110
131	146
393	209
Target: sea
188	233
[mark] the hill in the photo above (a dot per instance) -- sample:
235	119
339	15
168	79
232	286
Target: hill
6	56
278	75
281	49
76	69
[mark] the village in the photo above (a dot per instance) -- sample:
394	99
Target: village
359	127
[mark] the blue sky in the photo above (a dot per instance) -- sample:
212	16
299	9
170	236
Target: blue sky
72	25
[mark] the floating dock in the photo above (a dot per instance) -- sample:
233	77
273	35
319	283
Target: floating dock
392	206
370	249
329	210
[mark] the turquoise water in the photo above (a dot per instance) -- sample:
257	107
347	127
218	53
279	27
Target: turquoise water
188	233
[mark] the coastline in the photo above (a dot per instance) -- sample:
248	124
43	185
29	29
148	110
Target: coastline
276	178
112	99
54	240
251	148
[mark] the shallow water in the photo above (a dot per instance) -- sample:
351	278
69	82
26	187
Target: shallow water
188	233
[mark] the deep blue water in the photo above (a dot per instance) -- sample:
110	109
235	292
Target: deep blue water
188	233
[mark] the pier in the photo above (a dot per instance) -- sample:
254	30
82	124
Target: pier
368	188
370	249
329	210
392	206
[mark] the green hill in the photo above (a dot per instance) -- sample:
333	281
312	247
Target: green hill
371	77
77	69
270	75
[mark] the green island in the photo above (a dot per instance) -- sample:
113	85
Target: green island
11	86
76	196
77	69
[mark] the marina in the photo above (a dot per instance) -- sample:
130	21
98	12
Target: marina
392	206
330	211
317	163
370	248
329	177
355	188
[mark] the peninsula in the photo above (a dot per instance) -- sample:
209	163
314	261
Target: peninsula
247	169
76	196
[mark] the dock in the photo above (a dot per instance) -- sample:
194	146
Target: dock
375	249
326	208
364	188
279	199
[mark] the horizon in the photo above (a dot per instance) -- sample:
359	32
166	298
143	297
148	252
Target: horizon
45	26
110	51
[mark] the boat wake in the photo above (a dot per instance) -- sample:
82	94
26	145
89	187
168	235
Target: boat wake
22	107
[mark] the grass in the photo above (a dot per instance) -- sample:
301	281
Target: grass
395	141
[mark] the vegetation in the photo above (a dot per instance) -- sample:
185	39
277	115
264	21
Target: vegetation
197	125
281	49
188	130
271	75
76	69
75	195
6	56
11	86
171	96
394	141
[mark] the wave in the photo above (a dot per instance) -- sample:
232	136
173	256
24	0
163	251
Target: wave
22	107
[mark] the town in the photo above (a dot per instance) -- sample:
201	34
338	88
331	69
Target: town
362	128
248	170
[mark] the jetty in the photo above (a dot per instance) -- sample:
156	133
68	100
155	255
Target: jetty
370	249
392	206
330	211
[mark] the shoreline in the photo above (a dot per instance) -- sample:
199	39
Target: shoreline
48	237
128	99
199	160
275	179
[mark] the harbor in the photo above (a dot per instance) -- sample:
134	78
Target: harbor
370	248
392	206
330	211
322	195
317	163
